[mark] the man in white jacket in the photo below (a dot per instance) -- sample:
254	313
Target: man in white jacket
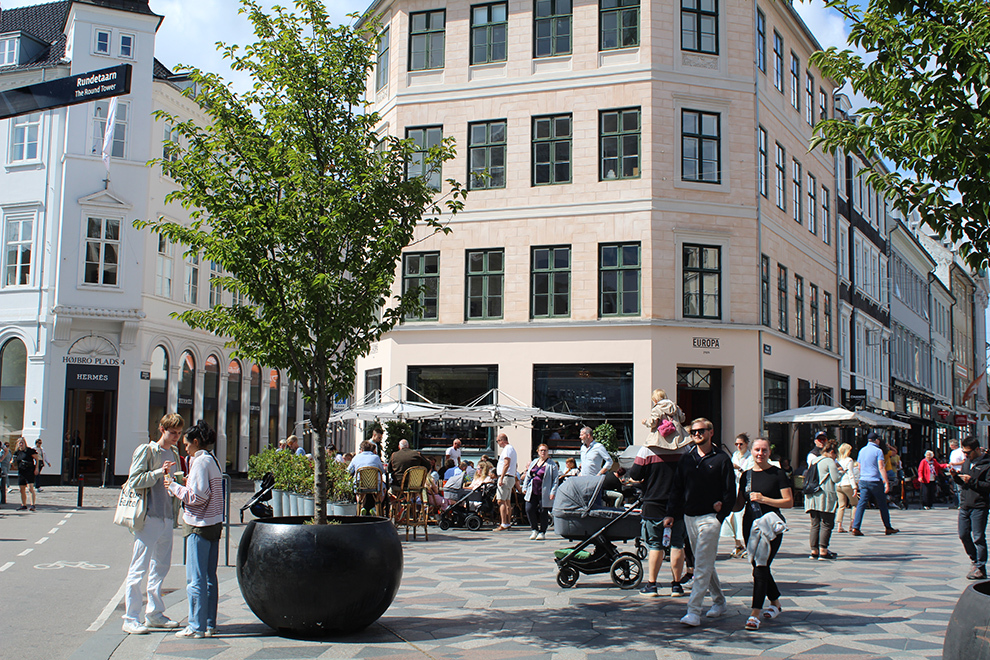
152	555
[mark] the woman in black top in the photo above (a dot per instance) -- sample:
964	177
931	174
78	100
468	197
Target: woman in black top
27	468
763	489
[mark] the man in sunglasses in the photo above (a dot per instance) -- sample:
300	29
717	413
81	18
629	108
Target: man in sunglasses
704	492
974	481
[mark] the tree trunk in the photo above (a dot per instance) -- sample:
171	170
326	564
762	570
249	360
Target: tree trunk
319	421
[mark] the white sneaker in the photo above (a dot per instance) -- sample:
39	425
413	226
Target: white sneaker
161	622
532	537
189	632
541	537
210	632
134	628
717	610
692	620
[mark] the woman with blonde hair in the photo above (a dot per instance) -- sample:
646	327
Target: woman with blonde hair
482	475
27	470
847	488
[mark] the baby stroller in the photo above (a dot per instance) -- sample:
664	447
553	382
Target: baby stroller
579	515
257	501
471	510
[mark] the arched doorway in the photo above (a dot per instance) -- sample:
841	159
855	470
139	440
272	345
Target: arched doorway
211	391
273	392
187	387
157	391
233	413
254	427
13	377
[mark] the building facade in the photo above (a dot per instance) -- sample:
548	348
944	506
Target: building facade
90	358
643	211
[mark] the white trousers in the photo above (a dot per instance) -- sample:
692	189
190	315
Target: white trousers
152	557
703	532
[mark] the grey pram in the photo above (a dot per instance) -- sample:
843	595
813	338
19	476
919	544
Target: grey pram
579	514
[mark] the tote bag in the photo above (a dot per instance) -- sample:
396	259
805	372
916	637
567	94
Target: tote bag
131	508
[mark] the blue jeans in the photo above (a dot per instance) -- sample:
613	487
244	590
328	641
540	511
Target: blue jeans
871	490
973	534
202	557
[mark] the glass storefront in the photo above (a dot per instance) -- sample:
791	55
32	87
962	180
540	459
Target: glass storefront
596	393
211	391
233	425
273	392
13	376
458	385
254	426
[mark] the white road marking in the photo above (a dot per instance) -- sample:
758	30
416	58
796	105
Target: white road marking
60	522
41	540
53	530
26	552
68	515
6	566
108	610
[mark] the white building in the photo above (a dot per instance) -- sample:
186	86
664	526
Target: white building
89	356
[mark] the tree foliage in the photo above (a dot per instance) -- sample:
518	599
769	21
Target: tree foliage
301	203
928	87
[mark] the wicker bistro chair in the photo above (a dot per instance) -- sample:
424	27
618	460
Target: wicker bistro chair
412	508
368	483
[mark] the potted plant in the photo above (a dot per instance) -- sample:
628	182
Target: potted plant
304	208
341	490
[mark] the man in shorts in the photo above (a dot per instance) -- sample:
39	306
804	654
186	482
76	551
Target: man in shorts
506	471
654	469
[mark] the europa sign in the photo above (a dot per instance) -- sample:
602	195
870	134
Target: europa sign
705	342
81	88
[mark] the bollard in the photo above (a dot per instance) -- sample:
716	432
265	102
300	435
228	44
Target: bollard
79	492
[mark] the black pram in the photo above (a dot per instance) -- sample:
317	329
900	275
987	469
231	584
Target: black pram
579	514
471	510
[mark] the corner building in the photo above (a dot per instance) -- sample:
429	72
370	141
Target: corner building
643	211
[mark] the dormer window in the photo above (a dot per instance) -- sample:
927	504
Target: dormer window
102	42
127	46
8	51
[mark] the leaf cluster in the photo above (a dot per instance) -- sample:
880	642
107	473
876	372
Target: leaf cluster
928	87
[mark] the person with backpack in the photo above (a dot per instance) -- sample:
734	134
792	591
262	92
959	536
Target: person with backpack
821	499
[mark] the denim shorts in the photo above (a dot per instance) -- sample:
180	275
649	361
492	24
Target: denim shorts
652	534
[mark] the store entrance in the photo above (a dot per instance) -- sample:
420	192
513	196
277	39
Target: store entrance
699	394
90	431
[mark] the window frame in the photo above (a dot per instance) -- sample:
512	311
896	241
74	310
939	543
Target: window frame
190	280
696	15
103	242
486	275
13	53
100	124
701	139
812	203
216	289
795	81
434	179
428	51
97	33
621	9
822	104
827	320
813	306
120	45
809	98
619	267
765	318
554	141
19	273
796	191
25	124
782	294
778	61
490	28
799	307
553	20
763	161
164	261
780	166
488	148
701	271
550	273
761	41
382	52
421	279
619	136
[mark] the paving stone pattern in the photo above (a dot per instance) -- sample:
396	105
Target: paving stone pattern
485	595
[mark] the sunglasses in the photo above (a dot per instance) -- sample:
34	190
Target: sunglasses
740	444
698	431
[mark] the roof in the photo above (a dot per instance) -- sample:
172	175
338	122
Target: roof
46	23
43	22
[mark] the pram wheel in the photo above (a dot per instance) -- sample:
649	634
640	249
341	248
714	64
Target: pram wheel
626	571
443	524
473	522
567	577
641	550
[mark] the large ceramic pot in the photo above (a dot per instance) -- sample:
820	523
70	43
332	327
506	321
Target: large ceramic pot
968	634
318	580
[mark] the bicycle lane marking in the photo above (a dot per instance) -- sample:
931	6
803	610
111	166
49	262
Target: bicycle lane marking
109	609
6	566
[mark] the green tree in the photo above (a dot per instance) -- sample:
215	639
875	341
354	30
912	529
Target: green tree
301	203
927	80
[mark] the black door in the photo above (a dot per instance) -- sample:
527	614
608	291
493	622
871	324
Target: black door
699	394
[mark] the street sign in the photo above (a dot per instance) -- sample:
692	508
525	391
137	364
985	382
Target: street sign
81	88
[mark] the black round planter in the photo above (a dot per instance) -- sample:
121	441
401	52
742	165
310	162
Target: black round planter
968	634
317	580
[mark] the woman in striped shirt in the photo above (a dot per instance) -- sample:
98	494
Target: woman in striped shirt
202	498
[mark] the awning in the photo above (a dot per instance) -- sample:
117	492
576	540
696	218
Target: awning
833	416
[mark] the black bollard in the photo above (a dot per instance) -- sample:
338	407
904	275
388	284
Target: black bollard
79	492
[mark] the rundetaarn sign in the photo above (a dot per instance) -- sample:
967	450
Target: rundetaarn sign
81	88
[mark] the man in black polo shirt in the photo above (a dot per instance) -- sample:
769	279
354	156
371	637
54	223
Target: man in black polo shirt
704	492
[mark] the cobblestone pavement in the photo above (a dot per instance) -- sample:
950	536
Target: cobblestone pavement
484	595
